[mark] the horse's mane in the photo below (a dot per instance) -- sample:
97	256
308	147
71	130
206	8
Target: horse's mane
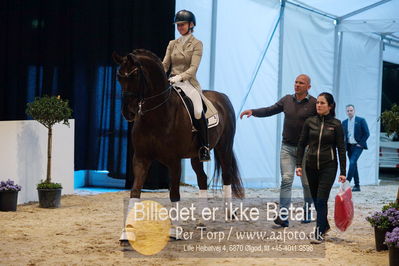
149	54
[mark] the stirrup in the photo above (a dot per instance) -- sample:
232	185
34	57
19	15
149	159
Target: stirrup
203	154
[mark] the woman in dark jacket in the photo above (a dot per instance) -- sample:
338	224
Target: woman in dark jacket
324	135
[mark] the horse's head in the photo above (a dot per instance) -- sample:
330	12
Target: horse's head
141	75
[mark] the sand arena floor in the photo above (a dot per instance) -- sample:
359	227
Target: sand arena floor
86	229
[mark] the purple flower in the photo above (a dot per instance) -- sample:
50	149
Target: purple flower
385	220
392	238
9	186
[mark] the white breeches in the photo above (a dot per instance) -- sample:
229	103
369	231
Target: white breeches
194	95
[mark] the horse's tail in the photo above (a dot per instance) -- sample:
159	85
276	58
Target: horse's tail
226	150
236	182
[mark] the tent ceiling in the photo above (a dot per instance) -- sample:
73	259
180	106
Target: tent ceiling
357	10
337	8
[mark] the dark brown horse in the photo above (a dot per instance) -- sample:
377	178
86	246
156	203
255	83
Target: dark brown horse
162	128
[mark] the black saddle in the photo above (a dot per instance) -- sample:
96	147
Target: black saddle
190	106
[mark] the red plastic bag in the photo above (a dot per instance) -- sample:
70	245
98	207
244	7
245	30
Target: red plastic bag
343	213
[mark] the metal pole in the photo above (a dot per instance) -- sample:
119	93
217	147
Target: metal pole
280	88
251	83
361	10
213	46
377	150
337	71
313	10
212	58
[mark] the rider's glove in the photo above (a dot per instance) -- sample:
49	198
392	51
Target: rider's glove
175	79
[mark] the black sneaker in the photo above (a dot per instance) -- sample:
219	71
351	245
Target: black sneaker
356	188
282	223
328	229
203	154
318	236
317	240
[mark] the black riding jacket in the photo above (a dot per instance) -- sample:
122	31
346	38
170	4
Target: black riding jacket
324	135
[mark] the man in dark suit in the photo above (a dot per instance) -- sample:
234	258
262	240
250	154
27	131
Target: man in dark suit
356	134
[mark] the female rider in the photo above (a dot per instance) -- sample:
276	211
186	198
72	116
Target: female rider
182	58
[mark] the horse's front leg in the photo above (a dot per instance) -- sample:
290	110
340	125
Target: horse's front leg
174	192
140	169
202	202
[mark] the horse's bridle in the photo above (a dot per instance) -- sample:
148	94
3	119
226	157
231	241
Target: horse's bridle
140	95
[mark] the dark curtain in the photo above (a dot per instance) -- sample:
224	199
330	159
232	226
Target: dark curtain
64	47
390	85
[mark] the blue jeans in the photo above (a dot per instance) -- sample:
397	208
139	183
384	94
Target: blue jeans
354	153
287	166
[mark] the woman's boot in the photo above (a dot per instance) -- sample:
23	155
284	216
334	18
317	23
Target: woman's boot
203	152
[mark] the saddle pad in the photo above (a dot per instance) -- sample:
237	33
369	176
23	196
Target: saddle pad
213	120
210	109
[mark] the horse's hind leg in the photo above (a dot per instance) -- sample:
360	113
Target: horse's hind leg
224	156
198	168
140	169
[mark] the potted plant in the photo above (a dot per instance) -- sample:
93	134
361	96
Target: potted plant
8	195
392	241
383	222
49	111
390	121
389	205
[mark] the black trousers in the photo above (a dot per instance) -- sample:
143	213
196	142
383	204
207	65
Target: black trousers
320	184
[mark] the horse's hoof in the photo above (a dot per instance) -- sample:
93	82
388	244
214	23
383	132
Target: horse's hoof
232	216
124	243
174	237
173	233
201	226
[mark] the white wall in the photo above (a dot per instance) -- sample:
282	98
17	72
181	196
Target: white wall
242	33
23	156
391	54
308	48
243	30
360	85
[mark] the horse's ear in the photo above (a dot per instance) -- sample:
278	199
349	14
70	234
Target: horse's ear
117	58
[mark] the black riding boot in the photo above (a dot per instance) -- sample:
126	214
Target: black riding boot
203	152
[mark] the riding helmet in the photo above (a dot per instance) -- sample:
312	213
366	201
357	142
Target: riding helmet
185	16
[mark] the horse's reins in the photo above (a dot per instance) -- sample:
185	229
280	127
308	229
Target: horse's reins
140	95
141	102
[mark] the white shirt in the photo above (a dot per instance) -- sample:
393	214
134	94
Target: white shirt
351	130
182	39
